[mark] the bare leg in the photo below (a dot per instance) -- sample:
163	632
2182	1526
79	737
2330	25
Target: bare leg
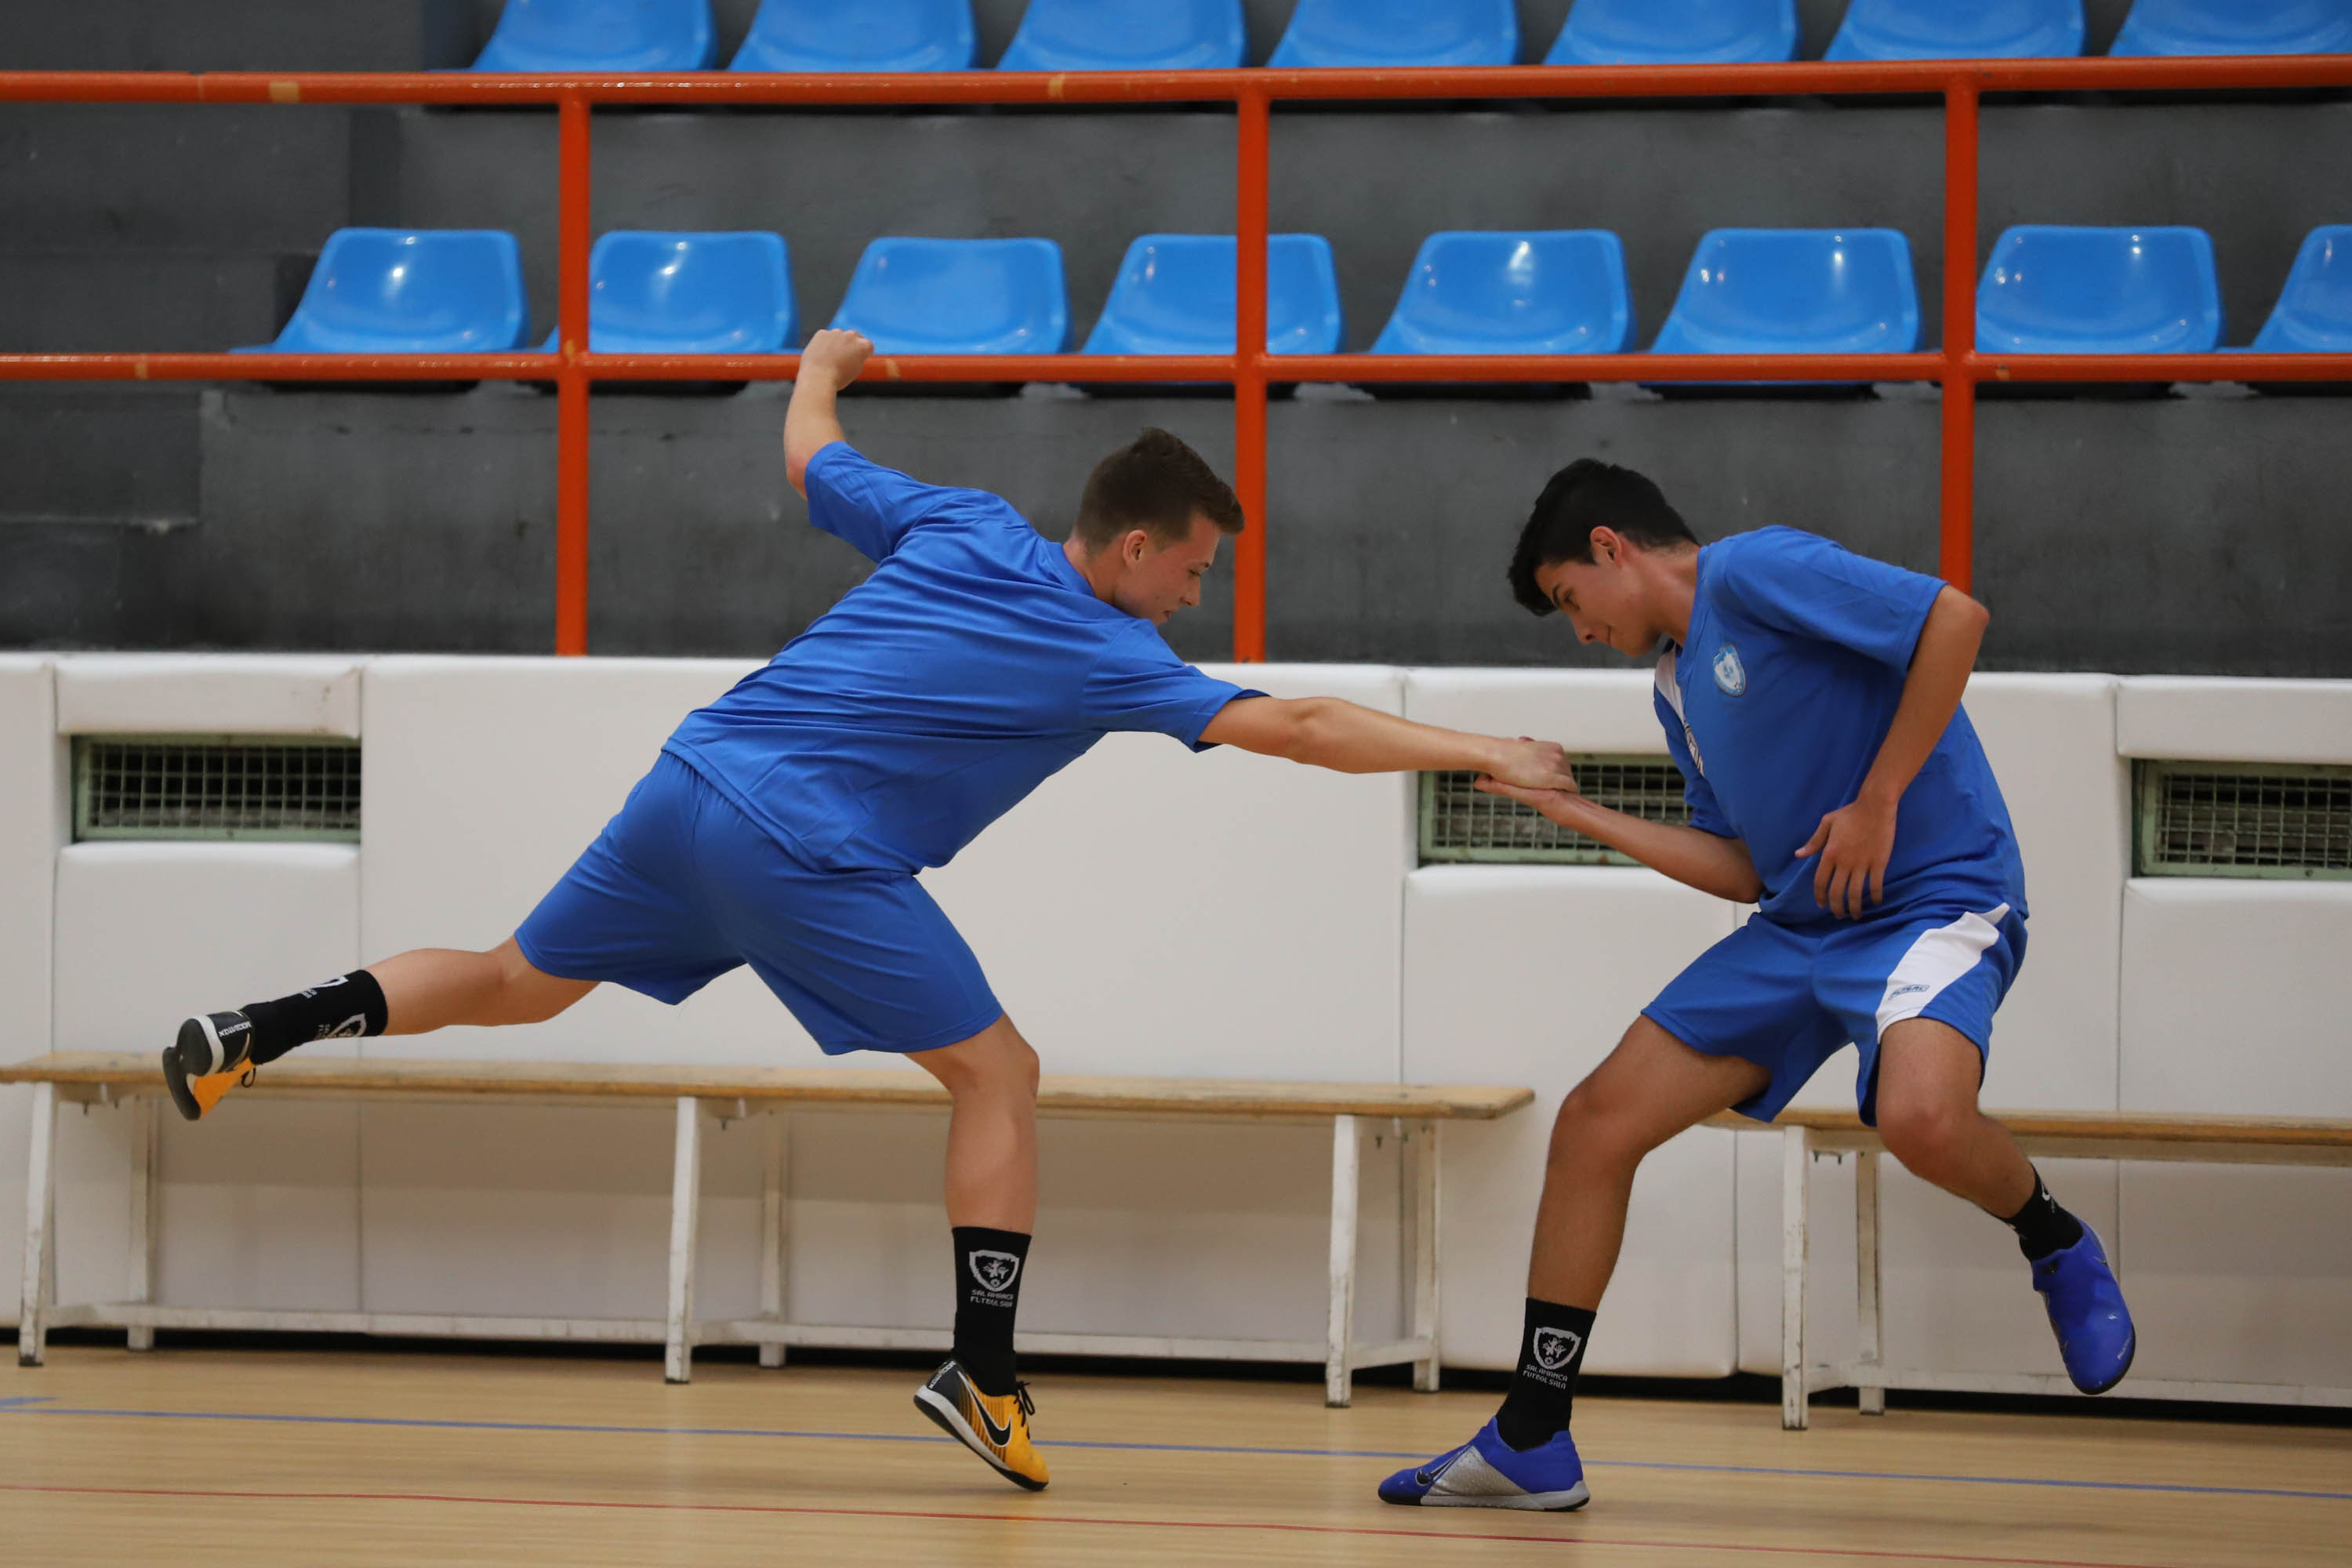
1652	1086
1927	1078
434	987
992	1130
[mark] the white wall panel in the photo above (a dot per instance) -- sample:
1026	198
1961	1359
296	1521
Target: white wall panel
486	778
1531	975
32	826
2207	717
1583	710
1151	911
231	694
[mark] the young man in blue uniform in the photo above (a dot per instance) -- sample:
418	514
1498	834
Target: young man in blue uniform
1811	699
783	826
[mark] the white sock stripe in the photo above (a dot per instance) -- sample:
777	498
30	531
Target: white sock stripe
1937	959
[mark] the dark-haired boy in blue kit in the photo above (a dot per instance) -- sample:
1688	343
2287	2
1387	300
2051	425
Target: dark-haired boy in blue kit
1811	699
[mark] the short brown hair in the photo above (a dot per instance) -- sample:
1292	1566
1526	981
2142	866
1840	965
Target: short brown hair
1158	484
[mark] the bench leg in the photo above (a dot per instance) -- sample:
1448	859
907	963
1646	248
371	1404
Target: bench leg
1866	1274
1422	1146
1796	1155
1340	1332
146	1181
685	1211
775	1194
40	1229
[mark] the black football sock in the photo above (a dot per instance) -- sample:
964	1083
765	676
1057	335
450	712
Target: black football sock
337	1009
1543	1391
988	1295
2041	1227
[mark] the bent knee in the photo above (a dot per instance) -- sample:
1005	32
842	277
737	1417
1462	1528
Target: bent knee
1595	1126
1926	1136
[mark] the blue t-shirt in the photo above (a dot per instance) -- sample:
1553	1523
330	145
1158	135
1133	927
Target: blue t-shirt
1775	707
972	666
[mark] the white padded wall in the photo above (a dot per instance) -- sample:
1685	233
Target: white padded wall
1529	974
217	694
486	778
2207	717
32	826
2232	1004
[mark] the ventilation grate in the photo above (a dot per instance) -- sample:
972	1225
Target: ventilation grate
215	786
1460	824
2213	819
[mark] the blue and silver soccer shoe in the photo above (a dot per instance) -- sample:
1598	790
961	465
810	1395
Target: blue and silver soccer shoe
2087	1314
1486	1472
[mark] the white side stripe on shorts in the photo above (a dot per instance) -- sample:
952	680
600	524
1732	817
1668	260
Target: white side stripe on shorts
1936	960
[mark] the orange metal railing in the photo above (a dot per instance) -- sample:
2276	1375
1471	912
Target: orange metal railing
1957	367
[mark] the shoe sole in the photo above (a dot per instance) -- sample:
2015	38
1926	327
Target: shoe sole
198	1047
176	1079
944	1413
1569	1502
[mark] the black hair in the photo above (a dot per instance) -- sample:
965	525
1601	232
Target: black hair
1583	496
1158	484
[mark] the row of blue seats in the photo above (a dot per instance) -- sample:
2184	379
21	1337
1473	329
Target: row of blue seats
829	36
2047	290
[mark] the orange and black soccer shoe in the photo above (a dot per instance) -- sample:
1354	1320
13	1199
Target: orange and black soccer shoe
994	1427
210	1058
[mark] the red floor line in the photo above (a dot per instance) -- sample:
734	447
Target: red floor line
1577	1539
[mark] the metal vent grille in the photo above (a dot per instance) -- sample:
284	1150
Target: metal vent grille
215	786
2213	819
1459	824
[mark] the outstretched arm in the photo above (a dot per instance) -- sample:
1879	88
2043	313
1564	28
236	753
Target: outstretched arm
1325	732
1692	857
831	362
1856	841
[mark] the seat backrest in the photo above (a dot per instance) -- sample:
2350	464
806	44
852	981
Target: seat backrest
1176	293
658	293
2314	314
1128	34
959	297
1380	33
1958	29
1675	32
1558	291
859	36
601	36
1796	290
2236	28
2054	290
385	290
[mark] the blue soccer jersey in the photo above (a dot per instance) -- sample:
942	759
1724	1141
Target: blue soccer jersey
972	666
1775	707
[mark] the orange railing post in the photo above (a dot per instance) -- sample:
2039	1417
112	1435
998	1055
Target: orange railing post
572	225
1957	528
1250	244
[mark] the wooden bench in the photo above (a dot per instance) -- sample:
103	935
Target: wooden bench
1419	1112
2077	1135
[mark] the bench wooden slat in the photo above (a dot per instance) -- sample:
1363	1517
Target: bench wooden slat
1207	1099
2091	1126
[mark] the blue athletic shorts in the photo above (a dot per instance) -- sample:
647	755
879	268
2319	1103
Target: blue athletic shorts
681	887
1788	998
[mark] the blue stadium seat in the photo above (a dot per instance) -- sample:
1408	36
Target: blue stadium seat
1795	291
604	35
2314	314
859	36
2236	28
1127	34
652	293
960	297
1958	29
410	292
1175	295
1383	33
1562	291
2056	291
1675	32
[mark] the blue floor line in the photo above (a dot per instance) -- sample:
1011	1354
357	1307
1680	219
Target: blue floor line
24	1399
27	1407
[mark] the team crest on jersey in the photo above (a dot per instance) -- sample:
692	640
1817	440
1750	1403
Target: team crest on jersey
1730	676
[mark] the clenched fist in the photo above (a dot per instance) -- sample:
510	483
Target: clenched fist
836	355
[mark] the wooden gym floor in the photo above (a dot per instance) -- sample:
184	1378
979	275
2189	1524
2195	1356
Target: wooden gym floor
203	1455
